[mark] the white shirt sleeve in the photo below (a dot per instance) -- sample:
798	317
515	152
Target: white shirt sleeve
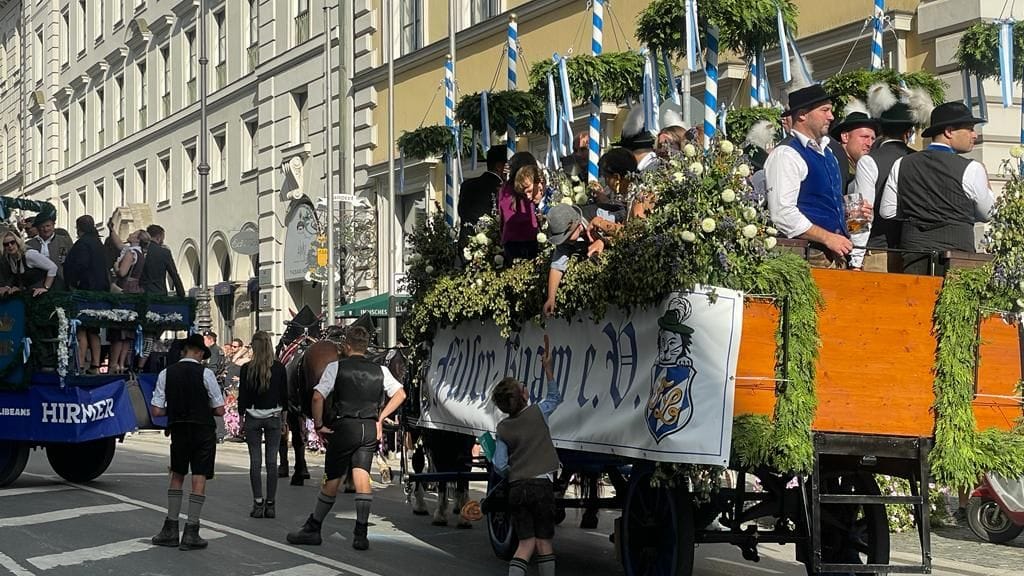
159	393
326	384
887	209
33	259
976	187
867	178
391	384
212	389
784	171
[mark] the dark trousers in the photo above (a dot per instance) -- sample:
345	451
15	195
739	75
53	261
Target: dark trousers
263	433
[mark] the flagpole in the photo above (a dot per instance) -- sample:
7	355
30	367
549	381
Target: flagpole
596	47
346	141
391	227
513	63
332	299
204	321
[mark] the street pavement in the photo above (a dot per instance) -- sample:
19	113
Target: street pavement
49	527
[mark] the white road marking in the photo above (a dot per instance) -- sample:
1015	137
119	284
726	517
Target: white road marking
8	563
304	570
744	565
34	490
68	514
104	552
164	474
384	530
343	566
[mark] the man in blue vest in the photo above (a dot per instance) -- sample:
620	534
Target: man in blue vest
805	185
938	195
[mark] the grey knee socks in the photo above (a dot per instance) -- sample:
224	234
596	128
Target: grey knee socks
546	565
174	504
195	507
517	567
363	502
324	503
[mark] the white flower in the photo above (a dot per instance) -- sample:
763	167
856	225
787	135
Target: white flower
577	190
708	225
429	269
467	254
771	231
679	177
770	242
749	231
567	200
1017	151
541	237
689	150
482	239
743	170
580	198
726	146
696	168
1021	284
749	213
499	260
1020	303
689	236
728	195
998	235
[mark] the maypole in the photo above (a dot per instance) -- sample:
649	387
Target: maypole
449	122
711	86
596	42
513	62
877	34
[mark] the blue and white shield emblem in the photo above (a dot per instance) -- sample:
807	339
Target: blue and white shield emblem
670	407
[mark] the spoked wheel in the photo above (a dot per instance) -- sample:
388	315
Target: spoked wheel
500	531
657	530
853	533
13	458
989	522
81	462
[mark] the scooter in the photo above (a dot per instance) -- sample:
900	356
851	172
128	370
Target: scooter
995	511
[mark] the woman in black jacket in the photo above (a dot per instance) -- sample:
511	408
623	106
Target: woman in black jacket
85	268
262	396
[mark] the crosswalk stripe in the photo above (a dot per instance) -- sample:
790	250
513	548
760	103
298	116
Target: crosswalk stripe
68	514
304	570
34	490
104	552
9	564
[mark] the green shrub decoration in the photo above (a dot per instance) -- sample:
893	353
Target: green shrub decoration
527	110
855	84
432	141
978	51
744	25
619	75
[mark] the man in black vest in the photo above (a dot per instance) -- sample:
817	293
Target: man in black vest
850	140
188	394
360	387
872	172
479	196
938	195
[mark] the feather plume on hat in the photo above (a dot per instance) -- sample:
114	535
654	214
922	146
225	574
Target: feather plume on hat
761	134
803	74
671	114
920	103
857	105
634	123
880	98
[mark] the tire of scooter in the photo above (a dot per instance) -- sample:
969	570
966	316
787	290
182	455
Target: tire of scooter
989	522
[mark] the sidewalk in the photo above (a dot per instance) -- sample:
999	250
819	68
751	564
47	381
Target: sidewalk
959	550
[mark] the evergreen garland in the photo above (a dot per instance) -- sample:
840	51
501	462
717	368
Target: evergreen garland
855	84
978	51
744	25
525	109
619	76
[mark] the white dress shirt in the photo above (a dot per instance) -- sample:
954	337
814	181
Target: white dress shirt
647	162
44	245
974	184
326	384
784	171
209	381
33	259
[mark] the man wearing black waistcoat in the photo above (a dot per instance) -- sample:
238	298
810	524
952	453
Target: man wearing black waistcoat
479	196
188	394
359	389
937	194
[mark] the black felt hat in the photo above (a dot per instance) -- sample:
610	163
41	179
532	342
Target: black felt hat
899	115
853	121
950	114
805	98
196	341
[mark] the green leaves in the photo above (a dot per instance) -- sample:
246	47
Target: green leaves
739	120
619	75
429	141
855	84
526	109
744	25
978	51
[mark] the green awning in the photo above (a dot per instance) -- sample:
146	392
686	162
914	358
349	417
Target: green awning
377	306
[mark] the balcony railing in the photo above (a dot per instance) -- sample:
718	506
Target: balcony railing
302	27
222	75
190	87
142	118
165	103
120	128
254	56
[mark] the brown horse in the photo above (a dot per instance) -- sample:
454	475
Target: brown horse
304	371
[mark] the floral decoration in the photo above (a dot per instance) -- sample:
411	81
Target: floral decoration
63	354
109	315
157	318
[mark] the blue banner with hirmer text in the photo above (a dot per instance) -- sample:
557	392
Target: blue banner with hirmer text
51	413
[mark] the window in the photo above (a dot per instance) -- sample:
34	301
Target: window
143	95
101	116
65	38
65	215
219	167
222	50
119	118
98	19
3	157
80	32
81	204
481	10
165	67
119	196
188	168
37	150
250	151
301	21
101	198
254	35
190	84
300	116
65	137
411	18
81	129
37	56
164	182
140	183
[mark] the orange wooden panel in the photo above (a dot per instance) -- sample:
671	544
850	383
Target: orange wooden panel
755	373
999	371
875	366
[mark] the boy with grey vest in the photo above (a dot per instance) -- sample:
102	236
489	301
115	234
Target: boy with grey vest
525	454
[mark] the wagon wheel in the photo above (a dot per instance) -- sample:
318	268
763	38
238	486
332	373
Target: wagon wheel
500	531
657	530
81	462
13	458
853	533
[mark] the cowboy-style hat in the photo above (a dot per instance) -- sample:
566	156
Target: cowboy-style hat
950	114
806	98
635	136
853	121
196	341
899	115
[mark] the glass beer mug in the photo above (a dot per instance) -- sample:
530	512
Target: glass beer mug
856	220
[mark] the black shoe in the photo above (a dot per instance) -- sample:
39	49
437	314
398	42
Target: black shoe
359	540
282	471
302	471
297	479
190	539
168	535
589	520
258	510
309	534
268	509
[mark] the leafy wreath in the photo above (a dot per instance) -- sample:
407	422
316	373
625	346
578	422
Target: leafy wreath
855	84
432	141
527	110
619	75
978	51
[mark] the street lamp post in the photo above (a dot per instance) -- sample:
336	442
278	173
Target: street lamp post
203	318
329	168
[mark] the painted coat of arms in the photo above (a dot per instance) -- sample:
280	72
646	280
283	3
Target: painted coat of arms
670	407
